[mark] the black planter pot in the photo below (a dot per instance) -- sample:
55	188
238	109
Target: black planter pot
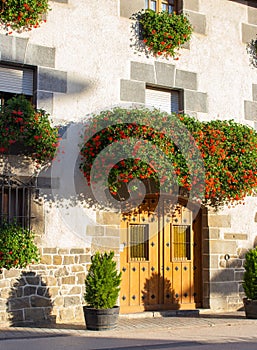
101	319
250	308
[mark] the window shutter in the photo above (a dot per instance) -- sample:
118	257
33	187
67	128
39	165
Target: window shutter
17	81
158	99
167	101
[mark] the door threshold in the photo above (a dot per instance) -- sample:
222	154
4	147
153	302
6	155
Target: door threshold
163	313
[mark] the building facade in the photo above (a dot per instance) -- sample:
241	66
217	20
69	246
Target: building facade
82	61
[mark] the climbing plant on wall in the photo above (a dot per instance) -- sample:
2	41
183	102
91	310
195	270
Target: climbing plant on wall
17	247
122	145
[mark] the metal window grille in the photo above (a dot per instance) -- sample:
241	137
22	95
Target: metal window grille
139	242
15	201
181	242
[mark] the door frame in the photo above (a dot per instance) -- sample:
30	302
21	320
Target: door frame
197	253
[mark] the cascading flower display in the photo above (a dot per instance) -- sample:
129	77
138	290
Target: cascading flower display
20	15
163	33
228	151
26	130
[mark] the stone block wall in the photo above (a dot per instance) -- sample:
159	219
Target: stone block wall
50	80
226	253
167	76
51	291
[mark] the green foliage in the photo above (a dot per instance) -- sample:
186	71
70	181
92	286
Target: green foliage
22	15
102	281
17	247
22	124
252	51
163	33
250	274
160	146
229	152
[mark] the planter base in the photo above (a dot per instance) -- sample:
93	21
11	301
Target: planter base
101	319
250	308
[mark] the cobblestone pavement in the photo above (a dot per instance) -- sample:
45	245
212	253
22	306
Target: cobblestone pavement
206	332
128	325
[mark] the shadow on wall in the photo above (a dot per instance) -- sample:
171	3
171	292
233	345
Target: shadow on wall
63	182
226	283
151	295
29	302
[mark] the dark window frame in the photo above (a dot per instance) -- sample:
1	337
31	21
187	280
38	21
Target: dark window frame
16	201
7	95
176	5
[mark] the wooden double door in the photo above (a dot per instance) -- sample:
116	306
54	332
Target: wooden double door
160	258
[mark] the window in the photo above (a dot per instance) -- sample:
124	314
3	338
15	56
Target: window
15	201
169	101
162	5
139	242
15	80
15	196
181	242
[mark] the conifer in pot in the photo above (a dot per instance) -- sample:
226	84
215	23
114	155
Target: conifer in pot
250	283
102	289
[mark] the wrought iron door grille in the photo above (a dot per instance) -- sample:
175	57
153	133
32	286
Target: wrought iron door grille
15	201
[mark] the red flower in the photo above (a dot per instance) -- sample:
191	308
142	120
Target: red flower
18	120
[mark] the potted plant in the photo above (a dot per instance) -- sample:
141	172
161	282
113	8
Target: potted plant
102	289
250	283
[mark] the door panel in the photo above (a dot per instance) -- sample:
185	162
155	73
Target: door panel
157	261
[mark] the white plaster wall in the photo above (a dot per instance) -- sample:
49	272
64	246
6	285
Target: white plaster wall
243	220
93	45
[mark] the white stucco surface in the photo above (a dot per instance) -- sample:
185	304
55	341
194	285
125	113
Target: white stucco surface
92	45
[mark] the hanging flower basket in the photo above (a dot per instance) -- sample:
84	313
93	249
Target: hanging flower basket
123	145
163	33
26	130
23	15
